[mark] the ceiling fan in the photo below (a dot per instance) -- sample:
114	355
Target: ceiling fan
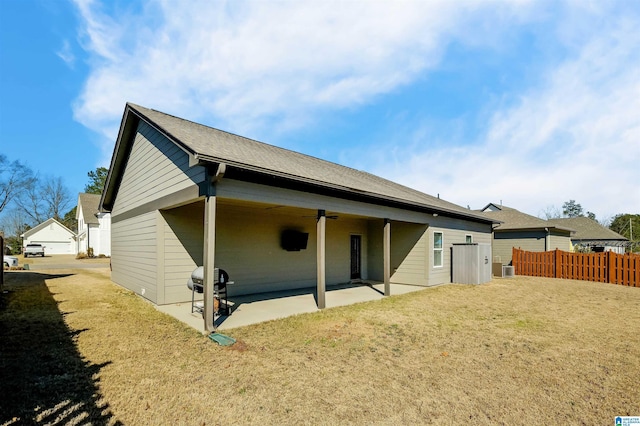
328	216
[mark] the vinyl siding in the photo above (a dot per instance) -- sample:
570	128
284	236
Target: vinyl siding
134	255
182	235
408	252
156	168
248	248
412	247
454	231
504	242
561	242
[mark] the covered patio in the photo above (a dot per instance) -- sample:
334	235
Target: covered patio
262	307
245	238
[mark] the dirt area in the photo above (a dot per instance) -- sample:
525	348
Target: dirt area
78	349
62	261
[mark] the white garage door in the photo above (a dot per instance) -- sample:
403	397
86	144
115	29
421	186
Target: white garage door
56	247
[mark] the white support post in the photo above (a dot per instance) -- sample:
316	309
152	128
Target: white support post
386	244
321	258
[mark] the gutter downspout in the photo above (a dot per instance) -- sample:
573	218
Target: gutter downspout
547	240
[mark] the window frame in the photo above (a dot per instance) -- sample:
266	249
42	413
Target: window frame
436	249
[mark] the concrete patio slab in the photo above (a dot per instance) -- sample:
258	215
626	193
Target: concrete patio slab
257	308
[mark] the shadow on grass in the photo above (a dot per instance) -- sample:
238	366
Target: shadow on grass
44	379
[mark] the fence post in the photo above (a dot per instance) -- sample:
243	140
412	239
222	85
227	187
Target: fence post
557	272
610	273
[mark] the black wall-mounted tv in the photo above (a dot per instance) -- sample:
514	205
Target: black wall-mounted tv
291	240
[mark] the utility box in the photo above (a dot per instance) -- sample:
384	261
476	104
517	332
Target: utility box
471	263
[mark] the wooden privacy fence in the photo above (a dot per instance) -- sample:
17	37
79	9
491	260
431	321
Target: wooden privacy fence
607	267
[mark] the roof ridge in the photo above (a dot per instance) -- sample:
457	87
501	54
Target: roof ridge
248	139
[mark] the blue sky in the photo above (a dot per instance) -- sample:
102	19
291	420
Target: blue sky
531	103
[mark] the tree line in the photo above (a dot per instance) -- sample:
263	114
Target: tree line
28	198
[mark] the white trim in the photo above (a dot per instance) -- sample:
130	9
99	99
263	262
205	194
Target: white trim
438	249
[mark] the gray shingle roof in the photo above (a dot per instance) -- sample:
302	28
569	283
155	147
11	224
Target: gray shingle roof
588	229
516	220
90	207
214	145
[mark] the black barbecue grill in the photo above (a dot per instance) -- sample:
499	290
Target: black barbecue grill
220	281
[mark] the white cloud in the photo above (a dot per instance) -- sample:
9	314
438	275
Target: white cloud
576	137
66	54
242	64
257	68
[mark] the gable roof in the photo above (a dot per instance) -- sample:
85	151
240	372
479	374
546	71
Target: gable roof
206	145
588	229
43	225
90	207
513	219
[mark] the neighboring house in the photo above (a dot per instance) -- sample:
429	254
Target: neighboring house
94	226
524	231
591	234
54	236
183	195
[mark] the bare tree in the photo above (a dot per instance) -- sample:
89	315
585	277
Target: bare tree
44	198
606	221
14	177
29	201
551	212
56	198
14	222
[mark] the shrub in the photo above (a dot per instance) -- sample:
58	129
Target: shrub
90	252
81	255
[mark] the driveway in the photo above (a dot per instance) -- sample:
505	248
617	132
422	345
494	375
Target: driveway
62	261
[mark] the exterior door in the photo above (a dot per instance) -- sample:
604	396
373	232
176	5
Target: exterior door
356	256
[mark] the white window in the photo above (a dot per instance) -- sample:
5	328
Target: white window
468	239
437	249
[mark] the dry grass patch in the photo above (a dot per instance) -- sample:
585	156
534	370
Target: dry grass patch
521	350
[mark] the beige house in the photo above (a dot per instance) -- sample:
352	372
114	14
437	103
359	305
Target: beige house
182	195
525	232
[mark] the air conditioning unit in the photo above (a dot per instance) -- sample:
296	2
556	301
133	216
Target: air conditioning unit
508	271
